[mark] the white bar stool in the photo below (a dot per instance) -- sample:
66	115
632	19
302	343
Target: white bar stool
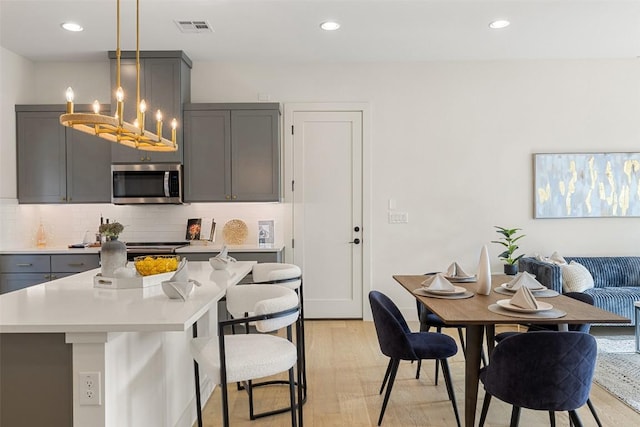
290	276
233	358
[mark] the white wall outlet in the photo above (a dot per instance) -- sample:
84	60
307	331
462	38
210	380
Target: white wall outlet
398	217
89	388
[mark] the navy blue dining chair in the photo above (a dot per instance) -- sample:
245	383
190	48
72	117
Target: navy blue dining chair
541	370
398	343
582	327
430	320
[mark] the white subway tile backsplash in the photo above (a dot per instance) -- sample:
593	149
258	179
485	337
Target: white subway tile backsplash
67	224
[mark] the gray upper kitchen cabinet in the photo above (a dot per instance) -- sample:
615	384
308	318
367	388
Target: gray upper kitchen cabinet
165	85
57	164
232	152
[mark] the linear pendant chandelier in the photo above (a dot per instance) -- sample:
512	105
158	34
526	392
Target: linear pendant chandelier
114	128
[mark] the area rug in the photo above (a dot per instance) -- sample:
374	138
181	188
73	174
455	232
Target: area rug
618	369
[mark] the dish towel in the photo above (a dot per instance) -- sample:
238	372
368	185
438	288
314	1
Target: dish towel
524	280
438	282
523	298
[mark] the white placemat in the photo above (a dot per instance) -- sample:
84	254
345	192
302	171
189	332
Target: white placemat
466	294
554	313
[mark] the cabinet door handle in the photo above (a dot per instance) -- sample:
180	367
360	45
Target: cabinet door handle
227	197
76	264
234	197
24	264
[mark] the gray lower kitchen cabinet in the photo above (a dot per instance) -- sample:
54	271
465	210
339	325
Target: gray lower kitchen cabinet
232	152
57	164
19	271
165	85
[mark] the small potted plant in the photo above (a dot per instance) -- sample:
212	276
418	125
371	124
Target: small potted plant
111	231
509	240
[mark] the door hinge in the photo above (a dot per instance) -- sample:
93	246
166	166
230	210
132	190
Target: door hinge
293	245
291	129
293	185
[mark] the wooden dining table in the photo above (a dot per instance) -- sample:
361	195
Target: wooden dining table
474	315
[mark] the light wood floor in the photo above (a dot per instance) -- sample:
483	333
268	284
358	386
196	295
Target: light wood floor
345	370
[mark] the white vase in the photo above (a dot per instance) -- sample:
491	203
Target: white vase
113	255
484	272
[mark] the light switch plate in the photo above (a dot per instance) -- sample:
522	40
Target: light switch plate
398	217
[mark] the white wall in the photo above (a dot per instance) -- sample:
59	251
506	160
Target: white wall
452	143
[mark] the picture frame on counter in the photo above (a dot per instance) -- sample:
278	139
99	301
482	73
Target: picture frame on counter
266	233
203	229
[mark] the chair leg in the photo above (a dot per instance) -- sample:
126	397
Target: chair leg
593	412
552	418
573	416
485	409
418	369
225	403
386	375
464	347
452	395
392	377
438	330
196	374
292	398
515	416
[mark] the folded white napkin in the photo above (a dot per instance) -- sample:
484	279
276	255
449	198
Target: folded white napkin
182	272
524	280
438	282
223	253
523	298
455	270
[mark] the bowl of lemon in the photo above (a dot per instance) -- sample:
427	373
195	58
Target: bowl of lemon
149	265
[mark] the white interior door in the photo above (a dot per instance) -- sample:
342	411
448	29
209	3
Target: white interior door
327	214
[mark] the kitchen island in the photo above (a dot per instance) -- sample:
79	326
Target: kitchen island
135	340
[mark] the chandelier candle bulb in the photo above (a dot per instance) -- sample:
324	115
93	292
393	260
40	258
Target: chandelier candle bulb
159	125
174	125
96	107
69	96
120	105
143	109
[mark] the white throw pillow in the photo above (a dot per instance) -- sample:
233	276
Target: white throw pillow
576	278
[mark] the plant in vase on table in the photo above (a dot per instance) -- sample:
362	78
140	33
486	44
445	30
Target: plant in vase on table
508	240
113	253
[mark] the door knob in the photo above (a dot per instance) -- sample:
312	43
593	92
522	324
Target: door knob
355	241
356	228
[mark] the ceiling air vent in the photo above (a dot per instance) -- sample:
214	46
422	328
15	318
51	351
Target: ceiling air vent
194	26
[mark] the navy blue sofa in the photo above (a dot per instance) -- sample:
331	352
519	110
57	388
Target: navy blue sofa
616	280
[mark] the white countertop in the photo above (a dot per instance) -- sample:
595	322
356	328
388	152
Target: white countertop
72	304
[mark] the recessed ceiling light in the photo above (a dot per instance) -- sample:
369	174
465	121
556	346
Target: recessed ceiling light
329	25
71	26
500	23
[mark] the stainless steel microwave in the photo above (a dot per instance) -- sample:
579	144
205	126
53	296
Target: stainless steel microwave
146	183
